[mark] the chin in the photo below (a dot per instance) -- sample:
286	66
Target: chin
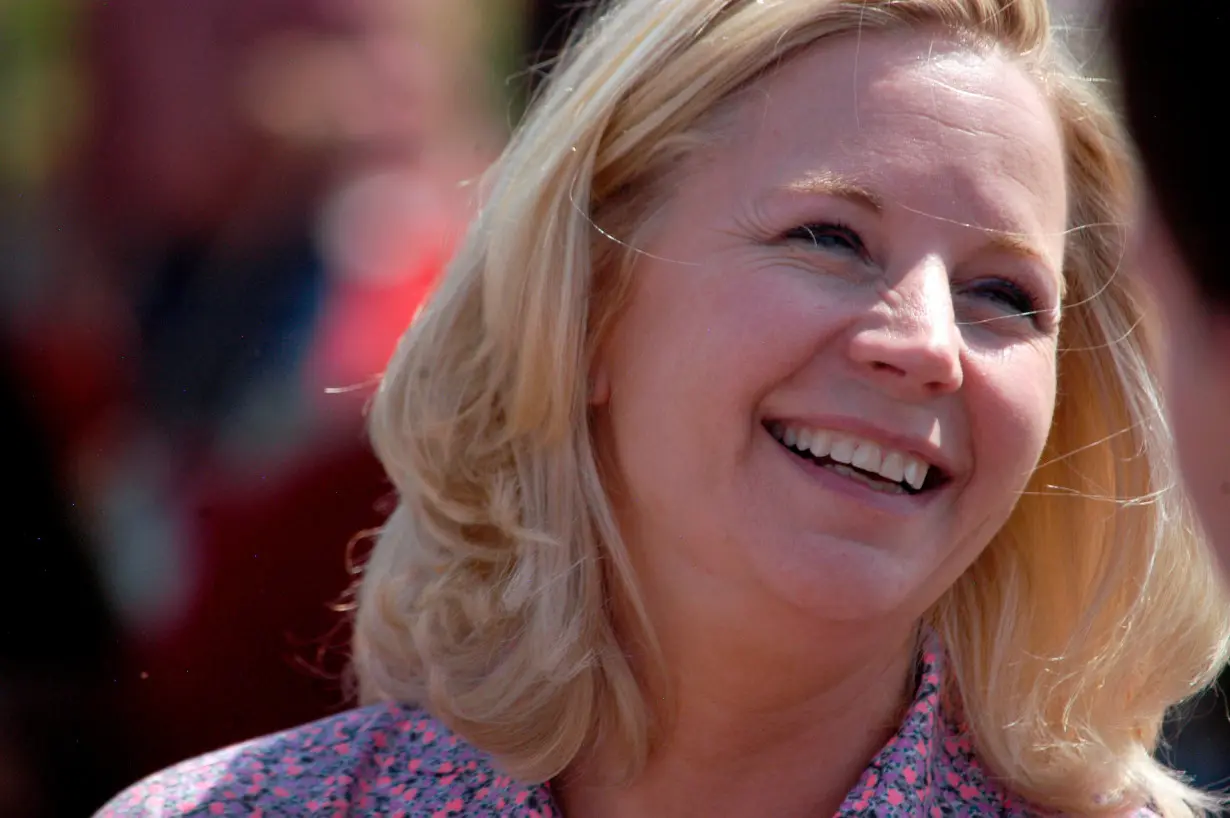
843	581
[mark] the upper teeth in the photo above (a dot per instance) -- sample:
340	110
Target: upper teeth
892	465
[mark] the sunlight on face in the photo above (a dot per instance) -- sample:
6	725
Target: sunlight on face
837	367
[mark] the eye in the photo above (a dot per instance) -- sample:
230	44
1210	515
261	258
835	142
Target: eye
832	236
1010	297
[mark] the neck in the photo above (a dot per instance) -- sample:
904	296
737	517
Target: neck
785	729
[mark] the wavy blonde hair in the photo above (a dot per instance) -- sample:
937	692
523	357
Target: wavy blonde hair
488	595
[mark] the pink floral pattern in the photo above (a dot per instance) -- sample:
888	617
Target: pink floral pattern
396	760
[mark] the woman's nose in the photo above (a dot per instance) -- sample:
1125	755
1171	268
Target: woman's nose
910	344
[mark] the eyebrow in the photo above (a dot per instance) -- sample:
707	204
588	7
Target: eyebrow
1015	245
826	183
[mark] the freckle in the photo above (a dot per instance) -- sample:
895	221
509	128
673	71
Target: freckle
1225	487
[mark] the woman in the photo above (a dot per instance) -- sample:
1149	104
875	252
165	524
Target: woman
781	442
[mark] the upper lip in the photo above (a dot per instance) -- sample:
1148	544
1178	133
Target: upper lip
919	447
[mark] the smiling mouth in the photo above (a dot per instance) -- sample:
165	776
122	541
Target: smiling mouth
878	468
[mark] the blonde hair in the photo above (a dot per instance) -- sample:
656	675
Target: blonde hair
488	595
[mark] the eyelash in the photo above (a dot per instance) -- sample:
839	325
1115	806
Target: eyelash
1009	293
813	232
1012	295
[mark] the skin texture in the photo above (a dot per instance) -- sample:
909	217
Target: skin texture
1196	376
933	182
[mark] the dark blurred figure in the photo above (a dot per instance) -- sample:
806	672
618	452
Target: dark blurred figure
200	225
257	197
1170	64
59	642
261	195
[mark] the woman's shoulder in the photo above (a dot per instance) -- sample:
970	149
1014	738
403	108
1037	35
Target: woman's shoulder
385	759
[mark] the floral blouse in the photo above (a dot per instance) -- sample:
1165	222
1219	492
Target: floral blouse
396	760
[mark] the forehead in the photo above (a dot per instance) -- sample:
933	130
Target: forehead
923	120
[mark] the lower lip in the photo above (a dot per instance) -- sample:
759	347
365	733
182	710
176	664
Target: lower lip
899	504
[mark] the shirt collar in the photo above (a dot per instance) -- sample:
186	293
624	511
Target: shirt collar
929	767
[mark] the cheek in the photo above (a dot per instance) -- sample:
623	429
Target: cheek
690	363
715	334
675	371
1011	413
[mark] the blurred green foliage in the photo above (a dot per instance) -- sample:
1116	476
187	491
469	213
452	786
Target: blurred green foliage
41	93
504	26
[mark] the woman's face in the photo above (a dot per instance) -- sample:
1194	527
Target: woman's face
836	369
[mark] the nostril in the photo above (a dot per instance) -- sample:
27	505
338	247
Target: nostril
881	366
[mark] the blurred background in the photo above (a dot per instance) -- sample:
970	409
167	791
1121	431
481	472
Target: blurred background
216	218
